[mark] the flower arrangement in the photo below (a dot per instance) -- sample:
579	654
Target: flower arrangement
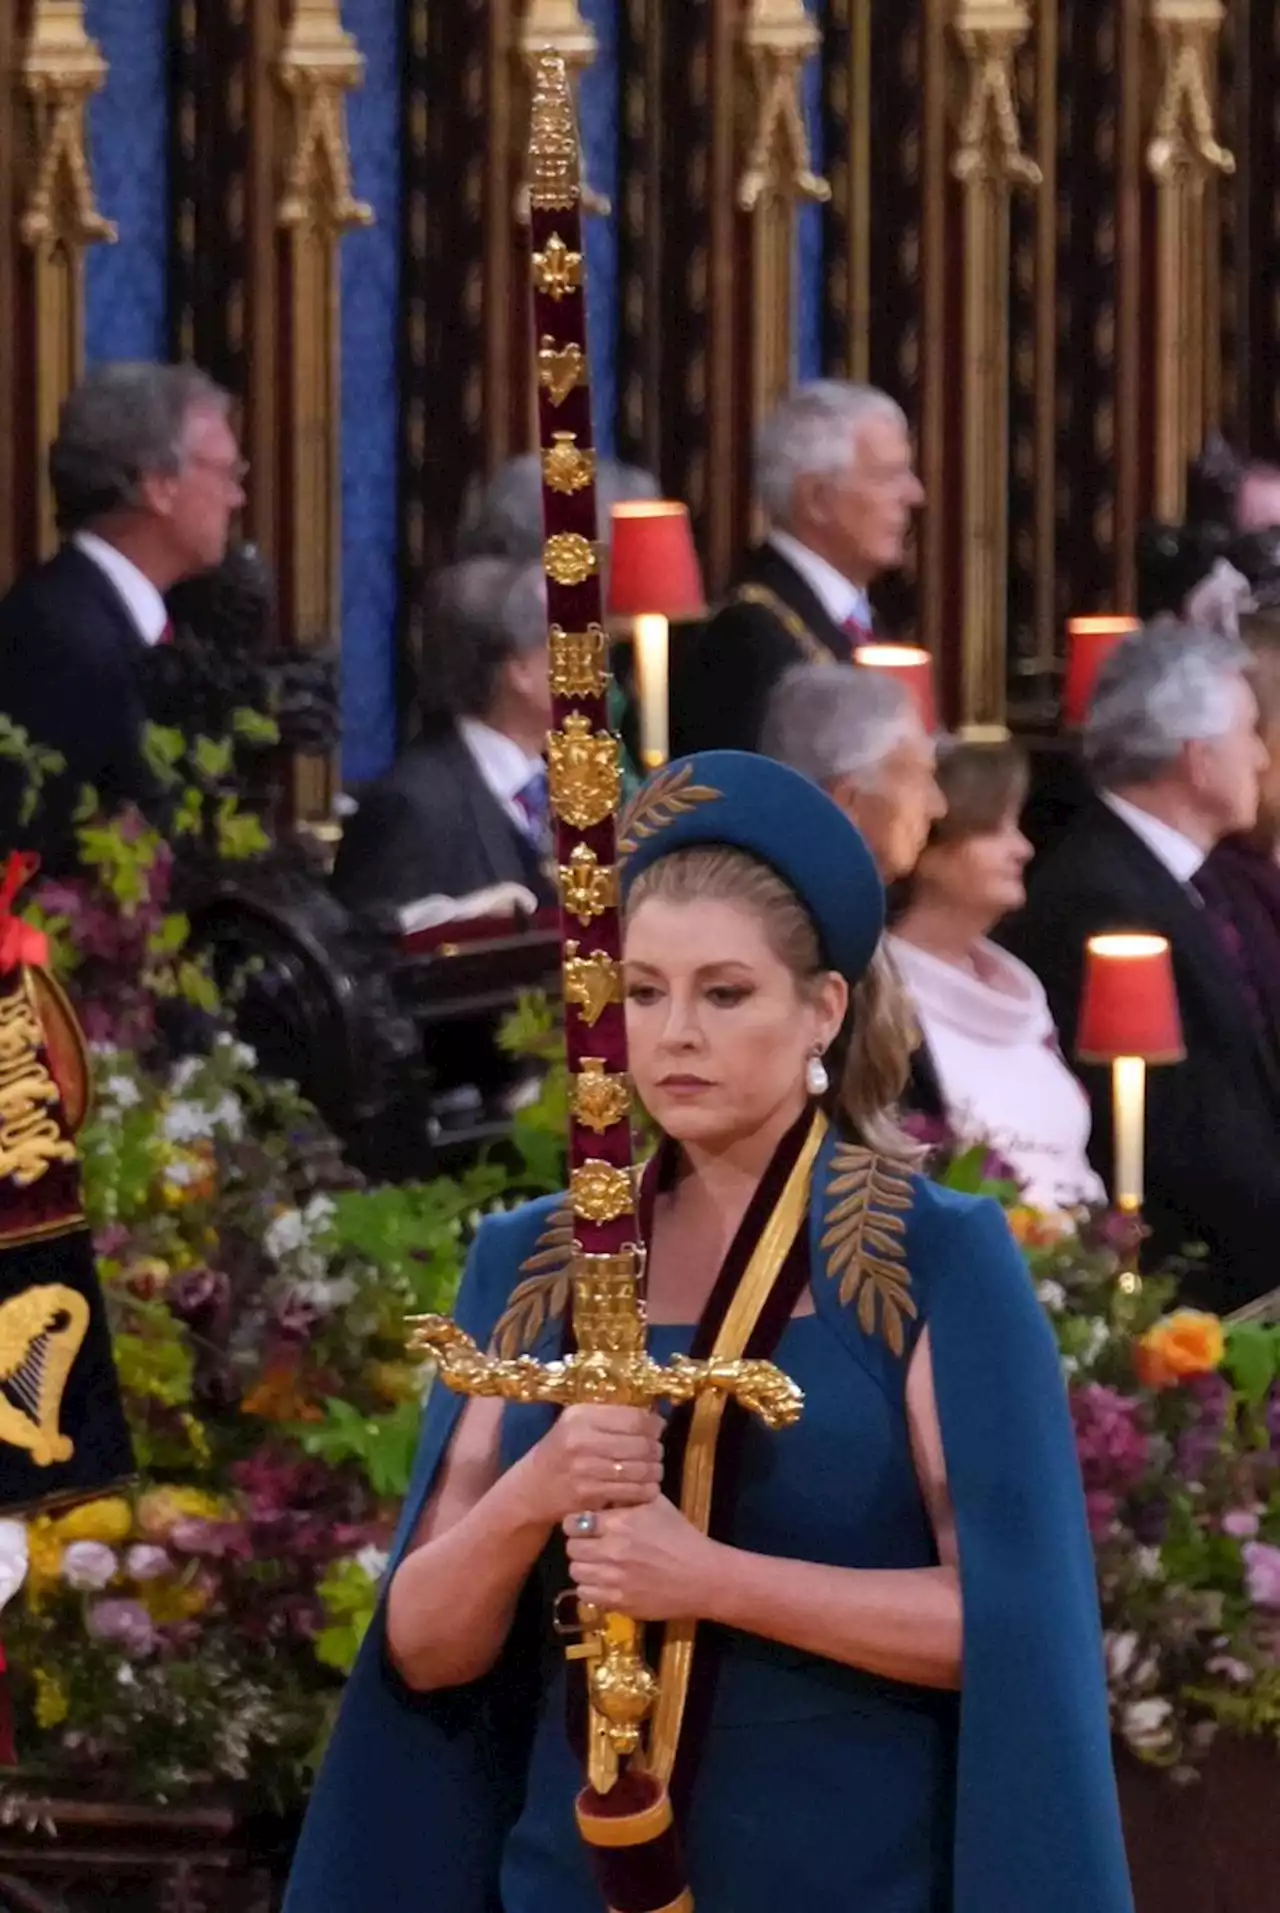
188	1631
1177	1422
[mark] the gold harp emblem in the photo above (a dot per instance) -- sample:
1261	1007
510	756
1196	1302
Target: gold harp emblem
599	1099
584	773
566	467
40	1335
561	369
557	271
591	983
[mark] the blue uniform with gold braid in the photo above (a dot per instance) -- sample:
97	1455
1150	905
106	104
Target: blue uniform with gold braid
811	1784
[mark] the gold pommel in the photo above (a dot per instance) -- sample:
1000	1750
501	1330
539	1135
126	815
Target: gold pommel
555	163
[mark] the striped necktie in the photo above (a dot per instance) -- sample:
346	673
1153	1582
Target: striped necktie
533	802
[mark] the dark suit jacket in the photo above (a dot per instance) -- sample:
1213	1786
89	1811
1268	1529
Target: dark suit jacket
723	671
1213	1121
432	827
72	674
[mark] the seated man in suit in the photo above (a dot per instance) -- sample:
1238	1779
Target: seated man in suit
1172	747
466	806
834	474
858	734
147	478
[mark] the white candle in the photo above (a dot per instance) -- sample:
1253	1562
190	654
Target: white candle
651	647
1129	1090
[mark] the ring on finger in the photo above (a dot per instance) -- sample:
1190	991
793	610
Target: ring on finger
584	1524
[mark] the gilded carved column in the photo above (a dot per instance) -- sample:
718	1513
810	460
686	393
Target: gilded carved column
60	69
1184	159
990	165
318	64
779	37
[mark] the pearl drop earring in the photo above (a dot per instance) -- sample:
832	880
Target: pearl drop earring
816	1080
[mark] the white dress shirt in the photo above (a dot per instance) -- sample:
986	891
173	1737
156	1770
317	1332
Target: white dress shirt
1180	857
141	599
839	597
504	765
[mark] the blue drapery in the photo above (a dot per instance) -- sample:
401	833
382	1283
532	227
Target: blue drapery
126	289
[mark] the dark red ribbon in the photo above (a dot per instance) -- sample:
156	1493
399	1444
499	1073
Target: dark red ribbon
19	942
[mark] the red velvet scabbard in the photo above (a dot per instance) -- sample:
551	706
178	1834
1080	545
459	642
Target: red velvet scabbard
629	1829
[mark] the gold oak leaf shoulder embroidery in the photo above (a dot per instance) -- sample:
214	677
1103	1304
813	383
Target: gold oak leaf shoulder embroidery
868	1198
667	796
545	1292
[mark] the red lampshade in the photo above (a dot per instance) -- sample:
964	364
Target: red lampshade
913	669
1130	1004
1090	642
653	566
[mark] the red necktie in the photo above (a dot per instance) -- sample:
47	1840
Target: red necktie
166	636
857	630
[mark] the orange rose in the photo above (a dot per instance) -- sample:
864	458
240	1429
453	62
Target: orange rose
1181	1345
1039	1228
279	1396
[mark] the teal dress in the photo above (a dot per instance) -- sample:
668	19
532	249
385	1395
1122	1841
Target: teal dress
838	1488
816	1788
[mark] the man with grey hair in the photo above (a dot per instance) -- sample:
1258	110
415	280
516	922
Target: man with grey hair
858	734
466	806
1171	746
835	479
147	478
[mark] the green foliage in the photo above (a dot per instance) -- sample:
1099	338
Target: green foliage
381	1446
37	763
349	1596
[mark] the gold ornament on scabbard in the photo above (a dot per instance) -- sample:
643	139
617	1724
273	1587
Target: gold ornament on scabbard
566	467
591	983
561	369
588	888
557	271
579	662
568	558
600	1100
584	773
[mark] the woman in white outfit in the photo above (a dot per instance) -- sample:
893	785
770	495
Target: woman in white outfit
990	1047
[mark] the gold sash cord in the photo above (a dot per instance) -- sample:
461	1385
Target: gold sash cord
790	1215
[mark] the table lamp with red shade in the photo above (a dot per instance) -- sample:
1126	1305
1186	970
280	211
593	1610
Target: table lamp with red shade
655	580
1129	1018
913	668
1090	642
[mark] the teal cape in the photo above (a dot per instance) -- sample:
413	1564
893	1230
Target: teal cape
416	1793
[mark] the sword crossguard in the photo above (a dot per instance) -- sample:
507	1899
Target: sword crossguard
626	1378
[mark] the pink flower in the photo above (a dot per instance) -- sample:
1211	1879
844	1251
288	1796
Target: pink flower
1101	1510
1262	1573
123	1624
1241	1524
146	1563
1112	1444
